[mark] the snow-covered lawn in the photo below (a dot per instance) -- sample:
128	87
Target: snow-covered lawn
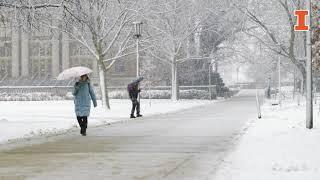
19	119
276	147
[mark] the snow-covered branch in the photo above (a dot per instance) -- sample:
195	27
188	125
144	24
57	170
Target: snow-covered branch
29	6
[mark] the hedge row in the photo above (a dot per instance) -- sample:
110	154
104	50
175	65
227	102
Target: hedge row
153	94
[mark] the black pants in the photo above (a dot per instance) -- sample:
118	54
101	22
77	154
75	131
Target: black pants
135	106
83	122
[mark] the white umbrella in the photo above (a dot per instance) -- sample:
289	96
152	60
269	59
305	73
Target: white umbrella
74	72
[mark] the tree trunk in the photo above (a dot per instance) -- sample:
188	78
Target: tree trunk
174	82
303	85
103	87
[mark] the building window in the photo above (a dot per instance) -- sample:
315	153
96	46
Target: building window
41	67
80	56
76	49
119	67
5	68
5	50
40	58
81	61
5	60
40	49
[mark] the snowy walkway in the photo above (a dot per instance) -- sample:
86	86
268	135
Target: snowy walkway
276	147
25	119
184	145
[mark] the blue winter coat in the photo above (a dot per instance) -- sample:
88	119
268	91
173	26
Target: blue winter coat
83	94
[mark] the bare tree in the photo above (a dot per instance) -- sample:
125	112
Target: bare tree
103	28
218	32
173	24
273	32
25	14
316	36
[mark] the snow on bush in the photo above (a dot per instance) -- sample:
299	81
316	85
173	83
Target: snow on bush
116	94
194	94
156	94
162	94
30	97
119	94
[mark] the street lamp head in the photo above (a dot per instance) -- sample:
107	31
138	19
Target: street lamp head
138	29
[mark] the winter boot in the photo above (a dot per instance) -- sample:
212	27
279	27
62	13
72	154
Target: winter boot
139	115
132	116
84	132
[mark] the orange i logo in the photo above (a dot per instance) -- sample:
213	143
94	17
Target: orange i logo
301	20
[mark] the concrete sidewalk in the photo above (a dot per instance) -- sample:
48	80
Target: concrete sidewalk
182	145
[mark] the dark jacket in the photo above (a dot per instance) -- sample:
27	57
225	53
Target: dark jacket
133	90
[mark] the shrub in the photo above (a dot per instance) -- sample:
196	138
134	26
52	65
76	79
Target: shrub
163	94
115	94
29	97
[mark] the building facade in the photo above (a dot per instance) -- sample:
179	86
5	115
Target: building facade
39	56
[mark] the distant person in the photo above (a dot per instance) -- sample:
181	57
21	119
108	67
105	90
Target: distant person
133	90
298	86
83	94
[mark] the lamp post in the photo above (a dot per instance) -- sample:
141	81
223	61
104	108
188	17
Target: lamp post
269	88
309	110
137	35
279	80
238	69
209	73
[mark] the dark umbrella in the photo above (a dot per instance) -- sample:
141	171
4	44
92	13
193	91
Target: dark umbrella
137	81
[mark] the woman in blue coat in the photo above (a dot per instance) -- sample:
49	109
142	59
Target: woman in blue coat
83	94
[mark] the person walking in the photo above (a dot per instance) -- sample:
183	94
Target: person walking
133	90
83	94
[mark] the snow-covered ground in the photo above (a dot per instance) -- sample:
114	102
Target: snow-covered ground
21	119
276	147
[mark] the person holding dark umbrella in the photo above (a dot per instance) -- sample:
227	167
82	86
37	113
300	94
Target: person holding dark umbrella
134	90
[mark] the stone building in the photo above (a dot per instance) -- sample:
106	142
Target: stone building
42	57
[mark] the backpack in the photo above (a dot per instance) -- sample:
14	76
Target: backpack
130	88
